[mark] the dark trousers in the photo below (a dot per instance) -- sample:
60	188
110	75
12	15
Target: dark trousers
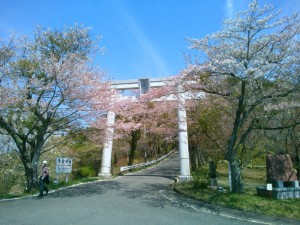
43	187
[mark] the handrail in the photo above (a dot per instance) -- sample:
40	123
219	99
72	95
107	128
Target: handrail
124	168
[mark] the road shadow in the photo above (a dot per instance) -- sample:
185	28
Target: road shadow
88	189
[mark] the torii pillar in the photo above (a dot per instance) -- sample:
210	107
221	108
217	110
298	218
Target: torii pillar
107	150
183	137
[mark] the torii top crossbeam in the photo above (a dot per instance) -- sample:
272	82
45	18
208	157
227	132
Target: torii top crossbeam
136	83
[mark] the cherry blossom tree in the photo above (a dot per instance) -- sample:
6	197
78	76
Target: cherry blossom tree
48	85
251	63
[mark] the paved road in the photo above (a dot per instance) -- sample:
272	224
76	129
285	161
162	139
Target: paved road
143	198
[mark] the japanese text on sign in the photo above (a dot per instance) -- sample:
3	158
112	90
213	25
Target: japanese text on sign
63	165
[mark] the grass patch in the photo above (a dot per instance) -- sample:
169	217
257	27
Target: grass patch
52	186
250	201
9	196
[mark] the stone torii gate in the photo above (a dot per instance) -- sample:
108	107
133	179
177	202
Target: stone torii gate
144	85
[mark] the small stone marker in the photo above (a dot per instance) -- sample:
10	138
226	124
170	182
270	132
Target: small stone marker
213	174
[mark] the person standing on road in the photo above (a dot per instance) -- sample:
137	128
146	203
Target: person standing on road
44	178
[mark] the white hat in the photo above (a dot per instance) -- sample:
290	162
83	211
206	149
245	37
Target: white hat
45	162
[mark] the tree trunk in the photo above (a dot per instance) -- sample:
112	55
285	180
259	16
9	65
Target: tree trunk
131	154
297	159
236	179
235	173
135	136
30	163
196	157
200	156
192	152
31	176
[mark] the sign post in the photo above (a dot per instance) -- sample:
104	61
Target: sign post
63	165
269	189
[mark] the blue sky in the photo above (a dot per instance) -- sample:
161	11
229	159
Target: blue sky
142	38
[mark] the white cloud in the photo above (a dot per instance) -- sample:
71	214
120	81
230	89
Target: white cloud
153	57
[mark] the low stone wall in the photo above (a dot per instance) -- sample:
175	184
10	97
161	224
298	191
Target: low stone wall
279	191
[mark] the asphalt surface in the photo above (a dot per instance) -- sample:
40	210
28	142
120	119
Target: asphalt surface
143	198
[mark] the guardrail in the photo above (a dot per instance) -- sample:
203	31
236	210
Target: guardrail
124	168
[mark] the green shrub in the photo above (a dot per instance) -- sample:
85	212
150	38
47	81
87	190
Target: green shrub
200	178
85	171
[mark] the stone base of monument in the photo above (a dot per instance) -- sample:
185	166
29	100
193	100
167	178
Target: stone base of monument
183	178
105	175
282	190
213	182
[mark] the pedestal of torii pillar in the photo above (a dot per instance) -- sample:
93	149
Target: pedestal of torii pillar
144	85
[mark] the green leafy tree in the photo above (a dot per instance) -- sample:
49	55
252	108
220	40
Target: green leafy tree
208	131
252	62
82	145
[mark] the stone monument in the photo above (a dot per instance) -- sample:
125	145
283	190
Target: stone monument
282	181
280	168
